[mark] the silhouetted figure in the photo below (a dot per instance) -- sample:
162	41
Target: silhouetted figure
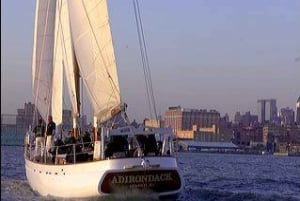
86	140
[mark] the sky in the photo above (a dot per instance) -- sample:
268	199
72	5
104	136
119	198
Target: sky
203	54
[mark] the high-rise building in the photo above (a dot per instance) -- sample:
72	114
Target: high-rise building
271	110
261	111
298	111
266	110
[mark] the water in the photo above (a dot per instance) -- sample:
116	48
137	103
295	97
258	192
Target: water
207	177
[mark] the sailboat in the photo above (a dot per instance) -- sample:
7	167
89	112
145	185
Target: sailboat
73	42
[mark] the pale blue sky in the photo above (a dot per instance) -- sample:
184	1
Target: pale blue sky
203	54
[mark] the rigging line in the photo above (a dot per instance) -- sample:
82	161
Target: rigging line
145	50
98	46
142	57
146	64
134	137
148	67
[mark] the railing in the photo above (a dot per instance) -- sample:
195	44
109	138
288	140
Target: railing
61	154
79	152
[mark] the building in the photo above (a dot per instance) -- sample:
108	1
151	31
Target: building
182	119
154	123
266	110
270	110
210	134
261	111
25	117
286	116
246	119
298	111
247	135
272	136
226	131
204	134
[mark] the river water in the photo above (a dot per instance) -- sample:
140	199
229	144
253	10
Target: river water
207	177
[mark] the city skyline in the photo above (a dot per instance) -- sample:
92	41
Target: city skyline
267	116
216	55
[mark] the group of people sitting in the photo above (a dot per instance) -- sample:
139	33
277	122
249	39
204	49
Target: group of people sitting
71	146
46	146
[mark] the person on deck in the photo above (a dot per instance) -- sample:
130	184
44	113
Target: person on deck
50	132
39	131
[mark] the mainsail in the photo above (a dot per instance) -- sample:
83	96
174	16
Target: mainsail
70	33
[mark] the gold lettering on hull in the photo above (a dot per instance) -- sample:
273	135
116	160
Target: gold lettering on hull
135	179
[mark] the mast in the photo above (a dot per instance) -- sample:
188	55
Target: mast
77	115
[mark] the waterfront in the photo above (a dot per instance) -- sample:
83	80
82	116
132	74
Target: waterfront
207	177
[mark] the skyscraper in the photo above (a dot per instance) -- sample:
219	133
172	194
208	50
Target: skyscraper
261	111
266	110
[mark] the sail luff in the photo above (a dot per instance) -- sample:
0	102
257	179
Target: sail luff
34	46
42	64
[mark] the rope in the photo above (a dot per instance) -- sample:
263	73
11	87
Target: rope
145	61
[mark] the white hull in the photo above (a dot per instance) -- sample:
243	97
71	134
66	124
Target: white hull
82	180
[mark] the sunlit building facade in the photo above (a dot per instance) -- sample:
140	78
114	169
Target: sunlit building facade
298	111
184	119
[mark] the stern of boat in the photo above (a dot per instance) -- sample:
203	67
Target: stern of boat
157	175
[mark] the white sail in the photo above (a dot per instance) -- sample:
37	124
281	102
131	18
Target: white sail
68	53
94	52
57	80
42	64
